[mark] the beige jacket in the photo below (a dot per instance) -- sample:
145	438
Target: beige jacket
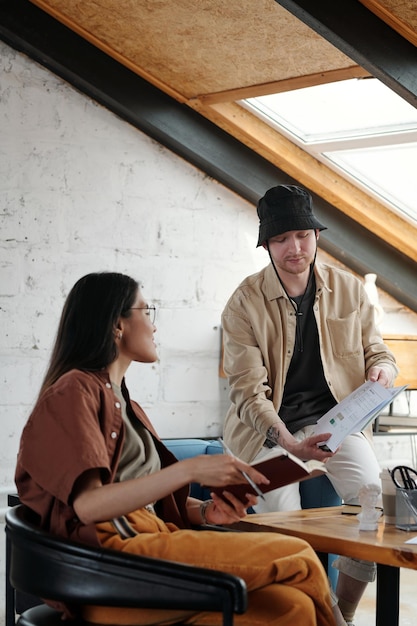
259	334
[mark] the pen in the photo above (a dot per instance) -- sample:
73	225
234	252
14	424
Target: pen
245	475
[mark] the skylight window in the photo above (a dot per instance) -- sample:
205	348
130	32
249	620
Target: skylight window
359	128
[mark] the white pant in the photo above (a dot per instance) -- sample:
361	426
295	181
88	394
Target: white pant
353	466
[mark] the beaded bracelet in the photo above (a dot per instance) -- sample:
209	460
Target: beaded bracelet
203	509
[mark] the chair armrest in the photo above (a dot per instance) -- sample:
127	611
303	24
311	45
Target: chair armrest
76	574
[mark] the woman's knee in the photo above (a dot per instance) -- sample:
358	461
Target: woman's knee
279	605
274	605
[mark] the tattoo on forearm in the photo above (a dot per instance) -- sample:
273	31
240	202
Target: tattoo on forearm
273	434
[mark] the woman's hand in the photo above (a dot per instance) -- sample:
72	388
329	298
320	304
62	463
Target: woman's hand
218	470
220	511
95	502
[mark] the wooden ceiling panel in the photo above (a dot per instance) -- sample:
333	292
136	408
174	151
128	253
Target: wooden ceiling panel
191	49
210	53
401	15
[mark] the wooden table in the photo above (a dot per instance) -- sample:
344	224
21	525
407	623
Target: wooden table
333	531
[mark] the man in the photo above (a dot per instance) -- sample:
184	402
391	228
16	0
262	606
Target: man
299	336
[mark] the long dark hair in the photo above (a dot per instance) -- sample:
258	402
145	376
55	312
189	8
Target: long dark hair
86	333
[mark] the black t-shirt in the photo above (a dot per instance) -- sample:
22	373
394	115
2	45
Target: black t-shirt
306	394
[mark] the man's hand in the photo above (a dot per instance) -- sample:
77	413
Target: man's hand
305	450
382	375
309	449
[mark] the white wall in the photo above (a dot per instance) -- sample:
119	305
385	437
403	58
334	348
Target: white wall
83	191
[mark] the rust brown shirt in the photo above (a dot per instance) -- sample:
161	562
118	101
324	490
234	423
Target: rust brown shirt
76	426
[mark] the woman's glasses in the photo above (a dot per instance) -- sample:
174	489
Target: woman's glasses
150	310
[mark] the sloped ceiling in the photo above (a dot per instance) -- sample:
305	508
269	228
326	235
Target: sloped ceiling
208	54
399	14
189	49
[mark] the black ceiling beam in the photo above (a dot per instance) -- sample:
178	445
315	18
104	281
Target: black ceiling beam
30	30
365	38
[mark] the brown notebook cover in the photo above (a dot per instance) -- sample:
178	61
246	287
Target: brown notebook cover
281	470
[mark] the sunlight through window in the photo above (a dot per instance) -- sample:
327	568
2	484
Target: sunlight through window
359	128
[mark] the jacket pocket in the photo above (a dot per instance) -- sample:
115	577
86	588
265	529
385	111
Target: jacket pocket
345	336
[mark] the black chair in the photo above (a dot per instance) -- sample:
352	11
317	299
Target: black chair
46	566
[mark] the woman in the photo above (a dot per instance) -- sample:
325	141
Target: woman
92	467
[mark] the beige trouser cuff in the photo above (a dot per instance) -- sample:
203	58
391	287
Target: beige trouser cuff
364	571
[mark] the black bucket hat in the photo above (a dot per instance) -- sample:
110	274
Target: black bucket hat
284	208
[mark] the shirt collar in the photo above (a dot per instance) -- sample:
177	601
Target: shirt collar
274	290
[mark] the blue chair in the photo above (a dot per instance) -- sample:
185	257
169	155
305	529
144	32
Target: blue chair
187	448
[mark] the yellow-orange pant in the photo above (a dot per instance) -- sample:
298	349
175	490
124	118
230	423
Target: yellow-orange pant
286	582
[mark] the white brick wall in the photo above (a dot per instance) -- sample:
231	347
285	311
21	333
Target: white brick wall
83	191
